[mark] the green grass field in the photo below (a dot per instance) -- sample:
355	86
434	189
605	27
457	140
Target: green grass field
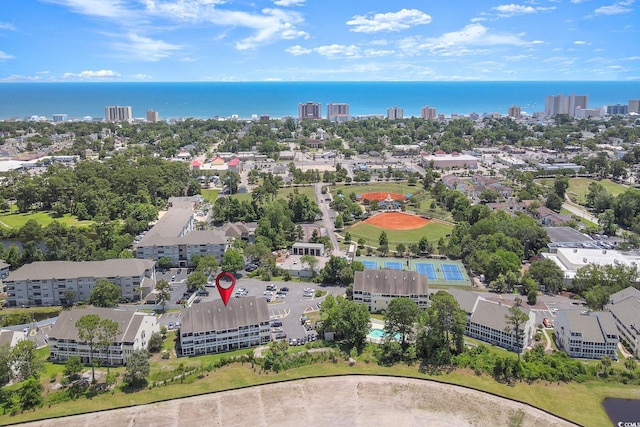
210	195
18	220
390	187
433	230
579	187
309	191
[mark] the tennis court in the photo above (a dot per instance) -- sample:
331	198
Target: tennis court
426	269
451	272
393	265
370	265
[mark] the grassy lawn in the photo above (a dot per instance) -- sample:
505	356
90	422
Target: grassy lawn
18	220
584	221
390	187
434	231
283	193
210	195
579	187
578	402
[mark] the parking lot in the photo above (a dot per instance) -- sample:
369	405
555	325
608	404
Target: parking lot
287	307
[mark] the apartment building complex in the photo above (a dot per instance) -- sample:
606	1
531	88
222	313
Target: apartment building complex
212	327
118	113
310	111
486	321
587	335
624	306
561	104
134	331
52	282
395	113
338	112
174	236
428	113
376	288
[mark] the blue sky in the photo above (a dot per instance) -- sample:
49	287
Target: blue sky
318	40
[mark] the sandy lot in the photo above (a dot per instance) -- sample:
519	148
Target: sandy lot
336	401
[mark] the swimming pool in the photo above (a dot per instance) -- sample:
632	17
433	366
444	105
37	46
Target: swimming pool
379	334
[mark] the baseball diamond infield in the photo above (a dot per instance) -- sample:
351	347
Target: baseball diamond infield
381	196
397	221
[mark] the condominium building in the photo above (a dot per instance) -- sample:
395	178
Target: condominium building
117	113
624	306
134	331
586	335
395	113
338	112
310	111
515	112
59	118
561	104
152	116
53	282
618	109
428	113
174	236
634	106
212	327
486	321
376	288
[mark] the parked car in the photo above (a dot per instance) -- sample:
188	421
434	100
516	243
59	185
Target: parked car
284	289
170	327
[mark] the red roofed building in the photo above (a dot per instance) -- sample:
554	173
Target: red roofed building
235	165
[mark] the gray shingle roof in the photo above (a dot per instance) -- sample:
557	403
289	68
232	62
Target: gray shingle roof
629	292
214	316
492	315
393	282
127	320
628	313
44	270
591	325
466	300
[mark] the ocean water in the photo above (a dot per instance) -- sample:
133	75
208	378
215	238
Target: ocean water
279	99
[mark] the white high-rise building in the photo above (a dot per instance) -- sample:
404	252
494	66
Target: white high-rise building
634	106
394	113
118	113
338	112
561	104
310	111
428	113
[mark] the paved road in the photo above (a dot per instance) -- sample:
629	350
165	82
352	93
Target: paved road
579	211
326	218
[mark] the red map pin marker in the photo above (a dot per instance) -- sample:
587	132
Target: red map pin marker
225	293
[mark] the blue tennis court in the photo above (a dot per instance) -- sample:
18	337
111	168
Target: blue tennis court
426	269
451	272
370	265
393	265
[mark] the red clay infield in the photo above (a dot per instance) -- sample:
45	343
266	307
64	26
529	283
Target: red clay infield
381	196
397	221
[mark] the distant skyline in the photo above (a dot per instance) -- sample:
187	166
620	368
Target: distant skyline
310	40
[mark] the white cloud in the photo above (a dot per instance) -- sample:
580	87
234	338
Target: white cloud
517	57
580	42
142	48
615	9
141	76
7	26
298	50
20	78
377	52
107	9
92	75
4	56
460	42
338	50
507	10
288	3
390	21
